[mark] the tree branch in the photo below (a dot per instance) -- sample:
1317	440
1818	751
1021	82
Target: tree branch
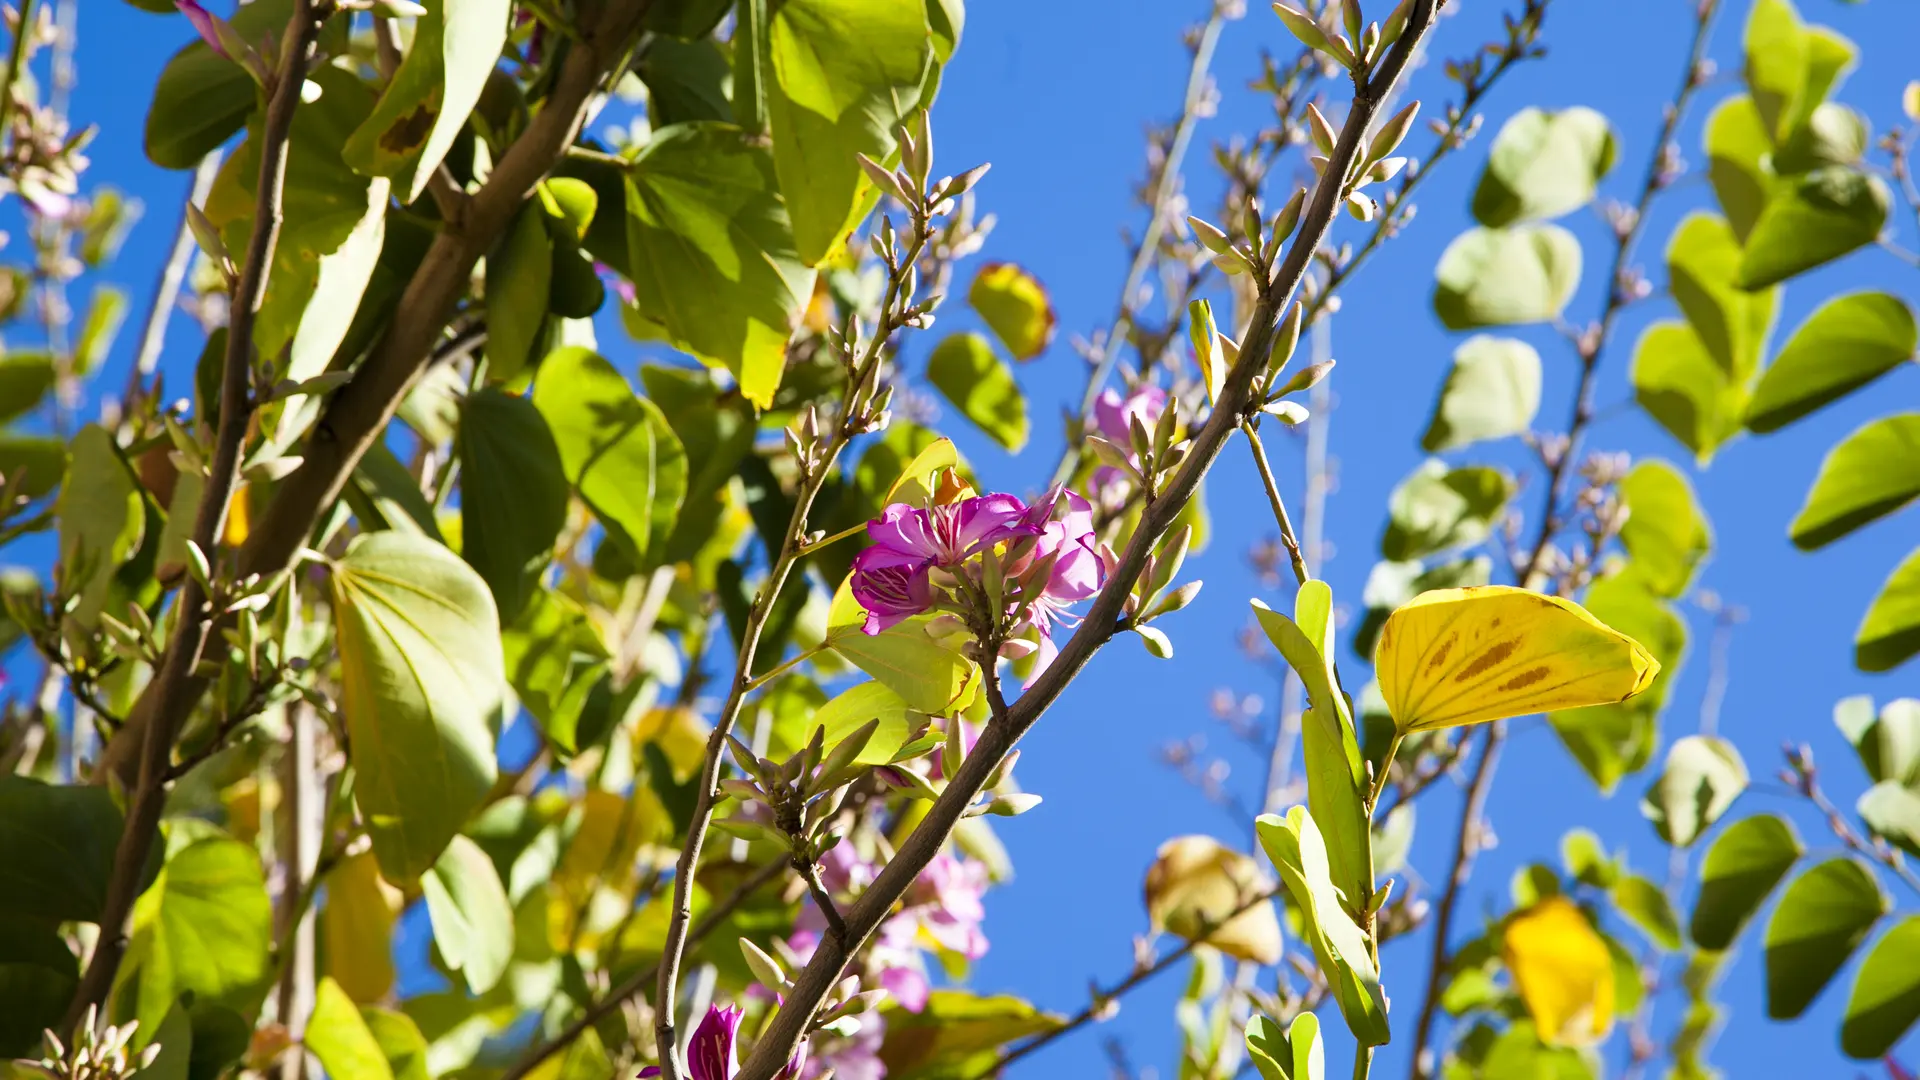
812	984
174	688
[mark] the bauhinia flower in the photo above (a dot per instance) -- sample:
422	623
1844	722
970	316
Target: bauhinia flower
1114	416
711	1053
1079	569
205	23
890	578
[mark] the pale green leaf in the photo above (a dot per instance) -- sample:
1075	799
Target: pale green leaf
1647	907
1543	165
204	927
1817	218
1492	391
1438	508
1891	811
1702	777
1678	382
932	678
857	706
1294	844
338	1036
1504	277
1738	149
421	685
1868	475
1890	632
1666	533
1888	743
555	658
1703	269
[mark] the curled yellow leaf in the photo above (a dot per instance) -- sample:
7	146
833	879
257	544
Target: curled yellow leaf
1465	656
1563	972
1195	886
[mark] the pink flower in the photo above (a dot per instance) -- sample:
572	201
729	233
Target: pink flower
856	1057
1115	414
890	594
205	23
890	577
710	1053
953	912
1079	571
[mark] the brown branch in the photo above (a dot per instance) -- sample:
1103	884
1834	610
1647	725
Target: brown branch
171	692
811	985
638	982
356	416
1558	471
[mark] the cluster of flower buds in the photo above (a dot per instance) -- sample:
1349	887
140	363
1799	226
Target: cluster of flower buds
1139	441
44	161
795	803
95	1055
1255	249
840	1013
1357	45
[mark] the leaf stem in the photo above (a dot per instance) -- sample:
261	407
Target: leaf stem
196	621
785	666
1259	451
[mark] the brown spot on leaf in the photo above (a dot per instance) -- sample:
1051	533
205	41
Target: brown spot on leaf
1486	660
407	133
1525	679
1440	654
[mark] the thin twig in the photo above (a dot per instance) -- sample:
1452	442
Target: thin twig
1292	543
638	982
166	291
194	620
1591	349
790	1024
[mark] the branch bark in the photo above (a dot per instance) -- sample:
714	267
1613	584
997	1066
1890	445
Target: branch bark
174	688
357	415
812	984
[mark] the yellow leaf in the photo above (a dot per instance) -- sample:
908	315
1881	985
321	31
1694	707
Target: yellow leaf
916	481
1464	656
681	734
1208	349
1197	882
1015	306
602	855
357	925
1563	972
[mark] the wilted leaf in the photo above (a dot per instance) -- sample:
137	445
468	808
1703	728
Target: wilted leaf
1196	885
1015	306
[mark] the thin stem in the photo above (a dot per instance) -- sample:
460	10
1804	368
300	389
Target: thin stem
1559	473
791	1023
862	384
1102	999
638	982
1292	543
854	530
195	622
17	59
166	291
1165	187
785	666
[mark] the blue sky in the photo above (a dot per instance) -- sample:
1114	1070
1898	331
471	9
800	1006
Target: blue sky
1056	94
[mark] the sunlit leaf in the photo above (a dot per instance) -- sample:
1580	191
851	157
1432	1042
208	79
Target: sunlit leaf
1678	382
1562	970
1817	218
472	919
1615	739
931	677
1438	508
1543	165
1666	533
1738	148
1886	994
1823	916
1703	272
1294	844
1890	632
1866	476
1195	886
1702	776
1505	277
1463	656
1015	306
102	521
616	449
1740	870
357	928
1848	343
1888	743
513	494
965	369
1492	391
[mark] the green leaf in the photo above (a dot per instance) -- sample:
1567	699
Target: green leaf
1814	220
38	975
205	927
1886	994
1520	1054
1666	534
1438	508
1738	151
1703	268
105	313
1821	919
1741	868
203	98
1833	135
1613	740
712	251
1015	306
616	449
1790	67
384	495
1845	345
1391	584
1506	277
513	495
1268	1049
1868	475
959	1033
1678	383
845	72
455	47
1544	165
519	286
933	678
421	683
43	461
979	384
1892	812
555	658
102	521
1646	907
25	379
56	849
338	1036
1888	744
716	434
1294	844
855	707
686	80
400	1042
690	20
1492	391
1586	861
472	918
1703	775
1890	632
1336	778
